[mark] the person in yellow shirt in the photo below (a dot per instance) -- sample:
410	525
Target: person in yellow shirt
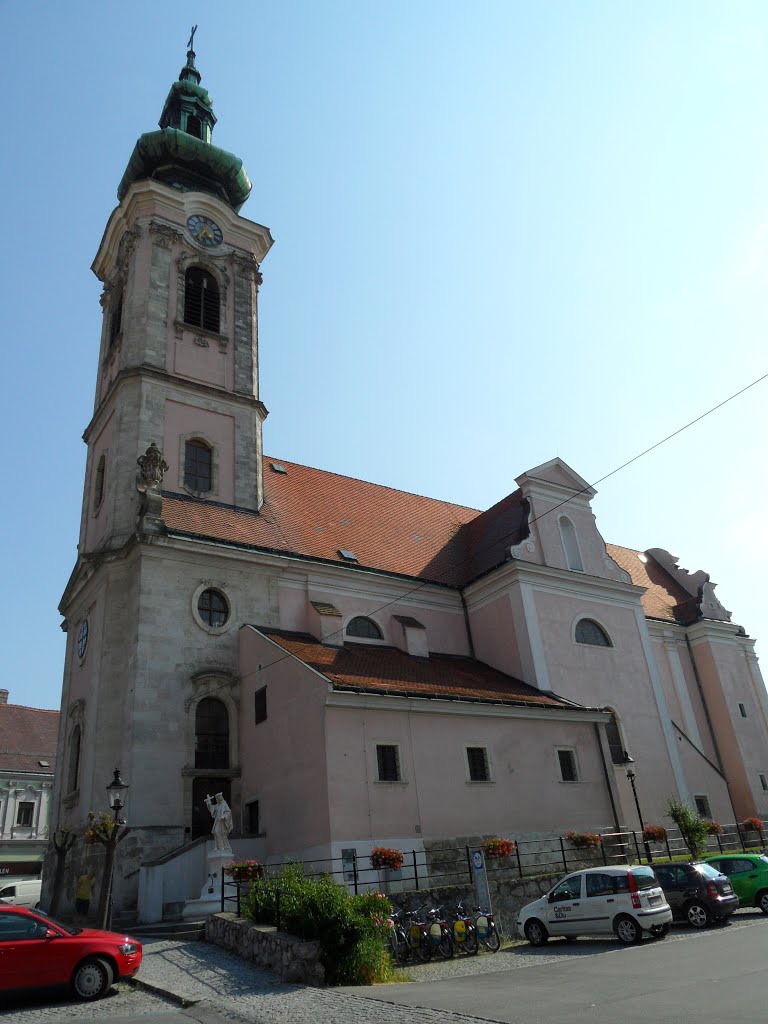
83	894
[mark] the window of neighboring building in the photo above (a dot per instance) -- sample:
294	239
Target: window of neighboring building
702	806
570	544
615	742
25	810
477	759
566	759
116	321
73	773
365	629
212	608
211	734
98	483
742	710
252	810
198	465
201	300
588	632
763	781
260	705
388	759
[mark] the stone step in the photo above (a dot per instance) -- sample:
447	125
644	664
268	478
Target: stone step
183	931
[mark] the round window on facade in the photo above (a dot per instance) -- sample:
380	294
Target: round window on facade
212	608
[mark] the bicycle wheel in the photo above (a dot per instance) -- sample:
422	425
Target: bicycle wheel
424	949
471	943
400	948
445	949
492	941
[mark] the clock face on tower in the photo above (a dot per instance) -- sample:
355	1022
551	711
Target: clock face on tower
204	230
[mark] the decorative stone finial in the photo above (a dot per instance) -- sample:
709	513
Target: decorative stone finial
152	466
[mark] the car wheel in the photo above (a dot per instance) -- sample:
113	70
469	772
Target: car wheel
628	931
697	915
661	931
92	979
762	901
536	932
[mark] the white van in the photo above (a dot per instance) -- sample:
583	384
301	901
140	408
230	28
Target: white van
626	900
22	893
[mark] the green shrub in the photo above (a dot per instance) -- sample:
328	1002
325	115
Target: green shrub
693	828
352	930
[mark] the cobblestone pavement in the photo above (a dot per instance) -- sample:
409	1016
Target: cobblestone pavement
231	989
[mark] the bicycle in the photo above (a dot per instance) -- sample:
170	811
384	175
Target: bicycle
440	935
487	932
419	943
398	940
464	931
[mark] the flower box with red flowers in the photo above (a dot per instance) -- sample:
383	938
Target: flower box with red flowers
752	825
383	857
244	871
583	840
496	847
654	834
714	828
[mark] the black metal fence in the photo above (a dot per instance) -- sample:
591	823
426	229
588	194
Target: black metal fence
436	867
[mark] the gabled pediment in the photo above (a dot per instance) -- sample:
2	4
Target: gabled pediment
559	474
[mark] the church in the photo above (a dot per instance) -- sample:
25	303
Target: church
348	664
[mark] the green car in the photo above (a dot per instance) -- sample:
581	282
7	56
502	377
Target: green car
748	873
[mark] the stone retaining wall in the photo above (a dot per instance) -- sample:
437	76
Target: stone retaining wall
291	959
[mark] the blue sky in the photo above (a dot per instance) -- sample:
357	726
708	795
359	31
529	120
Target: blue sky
504	231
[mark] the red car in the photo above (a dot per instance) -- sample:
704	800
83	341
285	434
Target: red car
36	951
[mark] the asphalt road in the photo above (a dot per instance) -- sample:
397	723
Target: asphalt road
713	977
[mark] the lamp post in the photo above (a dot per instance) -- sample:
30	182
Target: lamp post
631	777
109	834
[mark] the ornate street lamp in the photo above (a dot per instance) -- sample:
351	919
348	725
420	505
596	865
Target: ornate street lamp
631	776
117	791
109	835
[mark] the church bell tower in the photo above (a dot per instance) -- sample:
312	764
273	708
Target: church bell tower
177	412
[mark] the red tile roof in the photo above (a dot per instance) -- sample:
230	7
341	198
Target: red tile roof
389	670
315	513
663	594
27	736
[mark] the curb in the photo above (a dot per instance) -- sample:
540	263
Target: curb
167	993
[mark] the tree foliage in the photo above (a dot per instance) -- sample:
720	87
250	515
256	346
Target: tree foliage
693	828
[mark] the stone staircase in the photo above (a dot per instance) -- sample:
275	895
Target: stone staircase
175	931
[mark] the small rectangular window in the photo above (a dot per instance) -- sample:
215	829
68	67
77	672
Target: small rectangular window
763	781
388	760
260	705
24	813
477	757
348	858
253	817
742	710
702	806
567	762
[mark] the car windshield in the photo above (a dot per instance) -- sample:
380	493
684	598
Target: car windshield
764	858
644	878
59	924
707	870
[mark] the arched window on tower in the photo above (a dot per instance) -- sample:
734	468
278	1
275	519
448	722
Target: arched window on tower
589	632
201	300
194	127
570	544
116	320
211	734
198	466
98	483
615	742
362	628
73	768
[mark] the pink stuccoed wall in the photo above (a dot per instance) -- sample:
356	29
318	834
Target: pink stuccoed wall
283	758
526	793
217	429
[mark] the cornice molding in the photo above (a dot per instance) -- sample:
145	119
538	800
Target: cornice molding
462	708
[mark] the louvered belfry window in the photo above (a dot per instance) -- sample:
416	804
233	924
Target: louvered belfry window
198	466
201	300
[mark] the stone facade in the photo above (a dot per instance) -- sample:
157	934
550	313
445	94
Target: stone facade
289	958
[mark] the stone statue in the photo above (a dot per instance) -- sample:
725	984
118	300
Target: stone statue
222	821
152	465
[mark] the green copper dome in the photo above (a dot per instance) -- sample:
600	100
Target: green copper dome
181	154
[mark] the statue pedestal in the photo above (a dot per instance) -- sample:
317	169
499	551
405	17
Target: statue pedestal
209	901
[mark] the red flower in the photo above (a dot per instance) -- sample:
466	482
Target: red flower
497	847
752	825
583	840
383	857
654	834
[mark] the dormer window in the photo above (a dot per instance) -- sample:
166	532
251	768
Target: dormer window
361	628
194	127
198	466
201	300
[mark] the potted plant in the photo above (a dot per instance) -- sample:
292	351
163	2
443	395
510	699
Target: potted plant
497	847
714	828
654	834
244	871
384	857
583	840
752	825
